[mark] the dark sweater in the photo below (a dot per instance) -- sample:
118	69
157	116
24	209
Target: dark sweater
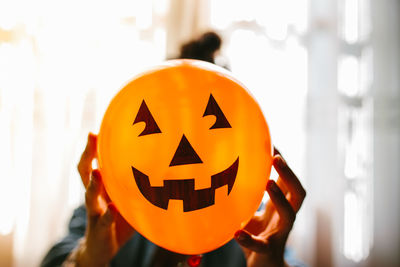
139	252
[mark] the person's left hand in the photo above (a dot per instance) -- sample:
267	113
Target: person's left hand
264	238
107	231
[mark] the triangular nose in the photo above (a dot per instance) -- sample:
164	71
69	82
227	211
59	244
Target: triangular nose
185	154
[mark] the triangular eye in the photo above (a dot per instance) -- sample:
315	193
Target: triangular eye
145	116
213	109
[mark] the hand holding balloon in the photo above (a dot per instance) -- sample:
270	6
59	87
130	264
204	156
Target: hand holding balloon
264	238
106	230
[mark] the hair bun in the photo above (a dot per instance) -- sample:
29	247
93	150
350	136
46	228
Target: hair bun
210	41
202	48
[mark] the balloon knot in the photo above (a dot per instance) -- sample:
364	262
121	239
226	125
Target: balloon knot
194	260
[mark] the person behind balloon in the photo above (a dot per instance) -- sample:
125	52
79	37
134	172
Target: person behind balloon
100	236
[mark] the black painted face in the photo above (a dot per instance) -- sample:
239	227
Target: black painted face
185	154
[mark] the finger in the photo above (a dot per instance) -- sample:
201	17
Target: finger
282	186
251	242
292	183
269	207
280	183
269	211
92	195
92	145
276	151
104	226
85	162
108	217
286	213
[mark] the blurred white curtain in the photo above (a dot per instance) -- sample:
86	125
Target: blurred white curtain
353	139
386	95
60	64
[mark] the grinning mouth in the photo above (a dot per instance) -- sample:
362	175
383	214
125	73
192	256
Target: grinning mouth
184	189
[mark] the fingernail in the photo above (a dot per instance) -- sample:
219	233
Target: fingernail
112	207
95	177
280	162
96	174
240	235
272	185
91	138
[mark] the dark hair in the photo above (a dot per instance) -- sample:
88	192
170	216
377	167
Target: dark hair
202	48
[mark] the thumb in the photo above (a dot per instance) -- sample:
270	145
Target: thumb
251	242
85	162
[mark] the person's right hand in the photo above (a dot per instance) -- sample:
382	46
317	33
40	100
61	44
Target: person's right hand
106	231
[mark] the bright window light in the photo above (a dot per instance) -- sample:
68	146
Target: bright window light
348	76
60	65
350	20
356	226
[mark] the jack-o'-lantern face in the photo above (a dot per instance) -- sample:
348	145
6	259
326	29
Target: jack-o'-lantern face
184	189
185	155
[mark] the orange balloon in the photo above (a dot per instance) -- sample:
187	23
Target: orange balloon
185	154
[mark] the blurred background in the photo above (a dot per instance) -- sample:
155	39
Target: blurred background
325	72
